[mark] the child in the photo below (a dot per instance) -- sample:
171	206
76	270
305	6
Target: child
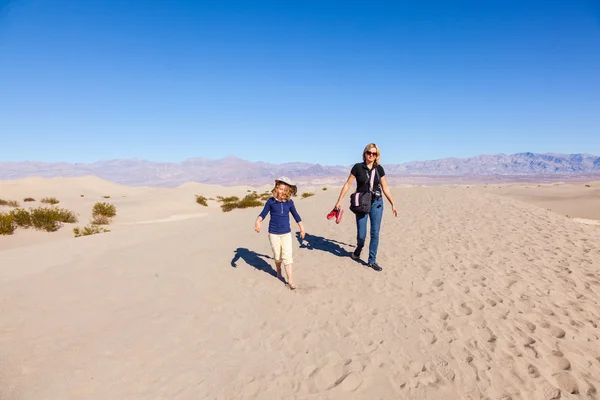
280	233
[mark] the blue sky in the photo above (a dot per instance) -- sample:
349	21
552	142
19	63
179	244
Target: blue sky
311	80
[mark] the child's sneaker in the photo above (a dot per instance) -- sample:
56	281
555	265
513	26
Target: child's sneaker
356	254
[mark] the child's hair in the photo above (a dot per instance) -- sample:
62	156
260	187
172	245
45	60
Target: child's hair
286	195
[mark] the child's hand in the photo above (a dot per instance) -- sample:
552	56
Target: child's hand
302	233
257	226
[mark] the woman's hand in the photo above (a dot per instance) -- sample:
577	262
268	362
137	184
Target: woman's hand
394	211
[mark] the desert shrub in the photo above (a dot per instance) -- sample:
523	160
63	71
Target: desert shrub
21	217
28	199
10	203
324	188
266	196
106	197
7	224
50	200
89	230
104	209
250	200
587	185
201	200
100	220
50	219
229	199
305	195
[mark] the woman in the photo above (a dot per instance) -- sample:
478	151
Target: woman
362	173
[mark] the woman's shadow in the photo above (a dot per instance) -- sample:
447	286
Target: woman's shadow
314	242
254	259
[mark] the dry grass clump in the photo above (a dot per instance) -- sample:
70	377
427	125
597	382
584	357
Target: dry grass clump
89	230
21	217
266	196
48	219
305	195
201	200
324	188
7	224
250	200
104	209
229	199
101	215
50	200
9	203
28	199
100	220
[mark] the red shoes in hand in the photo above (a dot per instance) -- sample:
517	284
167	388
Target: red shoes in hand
337	214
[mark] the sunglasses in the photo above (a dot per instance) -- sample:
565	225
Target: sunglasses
370	153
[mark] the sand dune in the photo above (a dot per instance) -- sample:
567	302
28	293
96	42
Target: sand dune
481	296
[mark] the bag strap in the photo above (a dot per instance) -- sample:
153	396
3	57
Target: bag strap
372	178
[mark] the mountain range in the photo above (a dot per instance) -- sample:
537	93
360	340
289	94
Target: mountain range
235	171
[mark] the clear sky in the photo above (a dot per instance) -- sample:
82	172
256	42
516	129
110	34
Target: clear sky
297	80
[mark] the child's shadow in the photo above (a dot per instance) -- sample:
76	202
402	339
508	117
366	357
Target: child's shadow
254	259
313	242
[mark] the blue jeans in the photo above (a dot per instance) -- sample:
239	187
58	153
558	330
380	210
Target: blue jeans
375	214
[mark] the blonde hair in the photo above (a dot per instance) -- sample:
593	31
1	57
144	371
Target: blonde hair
368	147
286	195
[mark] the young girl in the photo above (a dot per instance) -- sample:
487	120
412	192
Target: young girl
280	234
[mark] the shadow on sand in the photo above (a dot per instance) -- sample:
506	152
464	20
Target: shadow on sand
314	242
254	259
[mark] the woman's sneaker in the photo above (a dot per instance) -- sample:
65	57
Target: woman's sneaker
375	266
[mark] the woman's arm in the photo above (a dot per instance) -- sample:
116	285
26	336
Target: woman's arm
344	190
386	191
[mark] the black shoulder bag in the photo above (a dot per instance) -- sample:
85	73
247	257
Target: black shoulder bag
360	202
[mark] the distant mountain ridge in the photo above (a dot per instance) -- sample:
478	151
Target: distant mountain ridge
236	171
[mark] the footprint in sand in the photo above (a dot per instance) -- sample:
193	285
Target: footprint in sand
441	366
465	309
566	382
427	337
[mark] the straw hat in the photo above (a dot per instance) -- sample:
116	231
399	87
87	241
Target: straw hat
287	181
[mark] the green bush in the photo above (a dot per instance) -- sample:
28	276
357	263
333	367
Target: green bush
229	199
100	220
50	219
104	209
21	217
28	199
7	224
201	200
305	195
250	200
50	200
89	230
324	188
10	203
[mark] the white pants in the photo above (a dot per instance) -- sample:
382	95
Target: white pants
282	247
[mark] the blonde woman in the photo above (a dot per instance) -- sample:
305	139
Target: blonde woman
280	233
362	173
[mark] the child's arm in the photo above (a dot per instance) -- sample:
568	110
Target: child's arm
257	223
262	215
302	233
297	218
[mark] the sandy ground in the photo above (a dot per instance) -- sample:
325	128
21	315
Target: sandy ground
482	296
